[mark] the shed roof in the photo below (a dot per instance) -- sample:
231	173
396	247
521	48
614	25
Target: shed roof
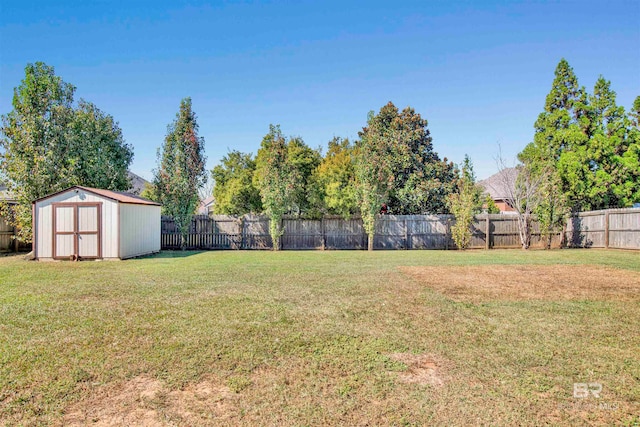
110	194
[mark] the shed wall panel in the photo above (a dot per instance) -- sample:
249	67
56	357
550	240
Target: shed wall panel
139	230
64	245
44	225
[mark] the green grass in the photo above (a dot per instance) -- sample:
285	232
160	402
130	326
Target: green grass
304	338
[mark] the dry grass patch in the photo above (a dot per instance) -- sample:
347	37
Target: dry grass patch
529	282
144	401
422	369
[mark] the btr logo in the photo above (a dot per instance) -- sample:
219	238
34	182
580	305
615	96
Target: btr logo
582	390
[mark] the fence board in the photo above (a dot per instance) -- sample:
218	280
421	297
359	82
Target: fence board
8	240
586	229
590	229
343	233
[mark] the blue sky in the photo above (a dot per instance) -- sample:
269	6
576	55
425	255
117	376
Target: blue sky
477	71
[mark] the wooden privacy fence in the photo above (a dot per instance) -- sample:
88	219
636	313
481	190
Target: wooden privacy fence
392	232
611	228
8	241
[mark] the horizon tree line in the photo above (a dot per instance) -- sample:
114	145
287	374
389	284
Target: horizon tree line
585	155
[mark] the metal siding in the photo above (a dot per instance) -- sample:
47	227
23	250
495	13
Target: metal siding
64	218
87	245
44	226
64	243
139	229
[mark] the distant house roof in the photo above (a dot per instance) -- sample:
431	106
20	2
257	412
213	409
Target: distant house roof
137	183
204	206
497	184
114	195
5	194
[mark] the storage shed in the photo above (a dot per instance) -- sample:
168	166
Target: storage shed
91	223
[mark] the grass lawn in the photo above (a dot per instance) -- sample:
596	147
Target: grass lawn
322	338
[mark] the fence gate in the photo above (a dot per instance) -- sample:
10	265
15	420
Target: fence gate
77	230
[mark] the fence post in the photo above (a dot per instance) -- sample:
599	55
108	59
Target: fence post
487	236
606	229
406	234
446	234
15	239
324	234
241	232
198	234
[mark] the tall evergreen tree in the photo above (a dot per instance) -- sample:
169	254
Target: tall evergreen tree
181	169
611	144
585	144
558	148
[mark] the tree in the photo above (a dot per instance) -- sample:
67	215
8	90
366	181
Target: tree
233	189
630	160
490	205
586	142
373	174
562	127
396	165
181	169
206	190
553	207
276	179
302	160
614	180
522	185
101	156
149	192
334	180
464	204
49	144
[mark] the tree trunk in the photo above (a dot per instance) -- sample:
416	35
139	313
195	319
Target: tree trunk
370	242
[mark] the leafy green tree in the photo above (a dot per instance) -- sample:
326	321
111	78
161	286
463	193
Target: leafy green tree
233	189
396	165
426	190
587	144
303	161
490	205
373	172
464	204
181	169
149	192
614	181
334	180
563	127
49	144
276	179
97	152
630	159
634	114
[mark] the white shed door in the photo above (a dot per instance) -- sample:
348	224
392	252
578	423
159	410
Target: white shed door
77	230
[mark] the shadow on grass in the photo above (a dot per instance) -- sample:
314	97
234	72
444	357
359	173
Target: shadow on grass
171	254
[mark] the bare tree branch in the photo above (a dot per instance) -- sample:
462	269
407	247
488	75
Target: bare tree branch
522	188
